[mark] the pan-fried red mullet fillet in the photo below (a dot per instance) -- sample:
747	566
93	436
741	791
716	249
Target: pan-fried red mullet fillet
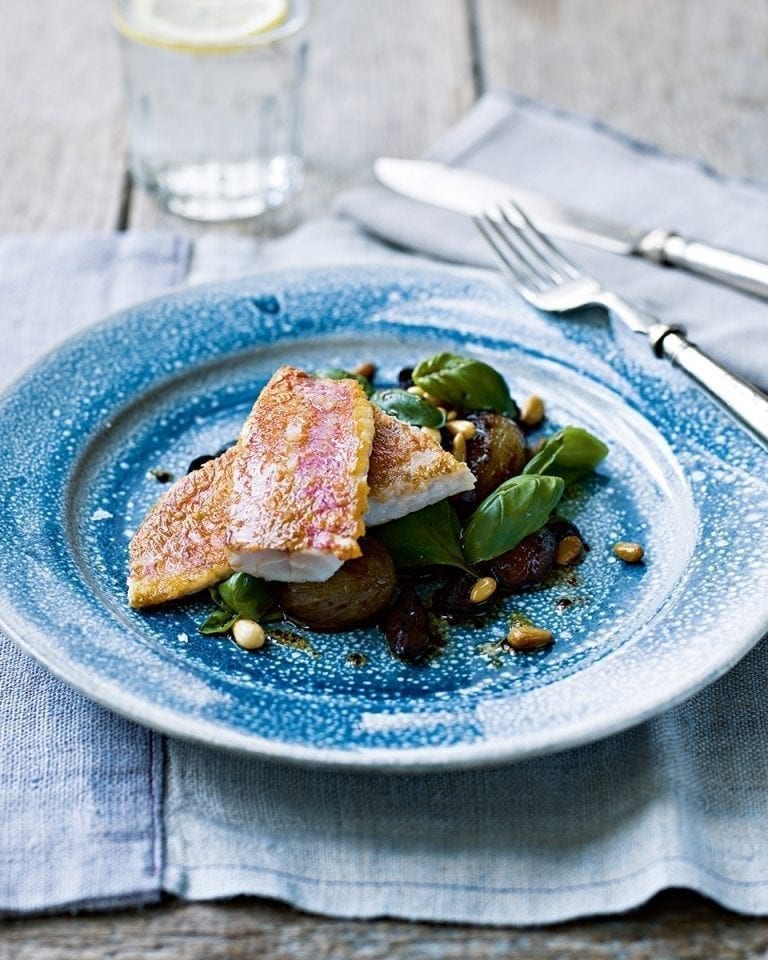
409	471
180	547
299	488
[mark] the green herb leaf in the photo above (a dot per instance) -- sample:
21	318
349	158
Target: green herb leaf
241	596
336	373
465	383
220	621
409	407
428	536
571	453
246	596
515	509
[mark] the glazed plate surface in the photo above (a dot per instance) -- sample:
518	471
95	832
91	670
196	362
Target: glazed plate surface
162	383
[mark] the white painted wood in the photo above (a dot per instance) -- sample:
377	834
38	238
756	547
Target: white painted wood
61	152
689	75
675	924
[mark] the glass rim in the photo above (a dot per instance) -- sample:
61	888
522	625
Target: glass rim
295	21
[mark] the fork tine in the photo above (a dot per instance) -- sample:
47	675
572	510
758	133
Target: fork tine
516	236
556	258
510	261
510	235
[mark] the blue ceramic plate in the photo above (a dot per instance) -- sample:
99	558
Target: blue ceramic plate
156	386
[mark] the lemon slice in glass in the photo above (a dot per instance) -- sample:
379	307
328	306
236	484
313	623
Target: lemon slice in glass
202	24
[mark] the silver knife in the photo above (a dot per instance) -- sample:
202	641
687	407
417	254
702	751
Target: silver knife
465	191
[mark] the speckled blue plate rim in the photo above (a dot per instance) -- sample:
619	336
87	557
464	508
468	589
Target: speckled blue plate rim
703	441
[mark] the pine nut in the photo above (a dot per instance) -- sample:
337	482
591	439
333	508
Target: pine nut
628	551
450	416
532	411
434	434
367	370
465	427
568	551
459	448
527	639
248	634
482	589
417	390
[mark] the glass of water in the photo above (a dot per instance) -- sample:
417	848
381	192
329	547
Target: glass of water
213	102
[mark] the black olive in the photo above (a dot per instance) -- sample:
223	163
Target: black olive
199	462
407	629
525	565
562	528
405	378
206	457
162	476
452	599
225	448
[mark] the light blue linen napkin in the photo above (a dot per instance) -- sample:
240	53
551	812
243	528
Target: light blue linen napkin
80	788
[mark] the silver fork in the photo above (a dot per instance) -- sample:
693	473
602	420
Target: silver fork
551	282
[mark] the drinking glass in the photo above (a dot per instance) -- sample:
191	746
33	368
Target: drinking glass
213	102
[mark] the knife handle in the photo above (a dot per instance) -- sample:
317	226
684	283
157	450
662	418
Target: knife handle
747	404
744	273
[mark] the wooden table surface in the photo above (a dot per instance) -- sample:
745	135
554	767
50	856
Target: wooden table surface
385	77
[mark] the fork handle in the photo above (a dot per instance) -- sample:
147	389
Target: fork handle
747	404
734	269
743	401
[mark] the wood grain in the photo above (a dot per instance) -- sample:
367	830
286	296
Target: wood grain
61	146
675	924
689	76
388	77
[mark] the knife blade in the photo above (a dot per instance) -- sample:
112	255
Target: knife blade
468	192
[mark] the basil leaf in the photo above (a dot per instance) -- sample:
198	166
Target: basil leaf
465	383
571	453
409	407
213	591
428	536
516	508
336	373
246	596
220	621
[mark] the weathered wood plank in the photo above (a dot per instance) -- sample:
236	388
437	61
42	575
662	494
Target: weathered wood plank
689	76
676	924
61	151
383	78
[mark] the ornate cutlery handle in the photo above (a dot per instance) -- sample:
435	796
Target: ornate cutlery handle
744	273
744	402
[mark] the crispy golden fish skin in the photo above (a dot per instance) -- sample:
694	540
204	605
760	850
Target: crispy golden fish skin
409	471
179	548
299	484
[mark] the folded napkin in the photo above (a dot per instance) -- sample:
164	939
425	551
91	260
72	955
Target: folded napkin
80	788
681	800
